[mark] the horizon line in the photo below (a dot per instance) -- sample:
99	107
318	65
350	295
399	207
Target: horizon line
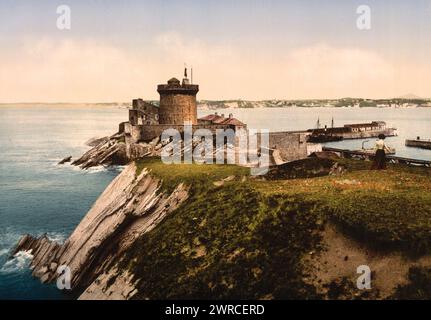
214	100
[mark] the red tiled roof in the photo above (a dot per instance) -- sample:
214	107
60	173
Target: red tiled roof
212	117
217	119
233	121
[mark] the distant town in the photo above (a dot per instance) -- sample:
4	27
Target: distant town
402	102
408	101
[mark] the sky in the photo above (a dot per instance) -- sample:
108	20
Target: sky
253	50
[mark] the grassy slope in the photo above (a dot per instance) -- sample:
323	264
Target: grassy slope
245	239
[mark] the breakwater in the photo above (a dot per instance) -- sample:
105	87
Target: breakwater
423	144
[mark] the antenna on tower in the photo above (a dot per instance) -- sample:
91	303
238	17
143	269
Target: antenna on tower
191	74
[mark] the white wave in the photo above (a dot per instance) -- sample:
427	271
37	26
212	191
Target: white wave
91	170
96	169
3	252
56	237
119	168
20	261
78	169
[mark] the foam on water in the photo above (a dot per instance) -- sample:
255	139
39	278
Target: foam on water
96	169
56	237
3	252
20	261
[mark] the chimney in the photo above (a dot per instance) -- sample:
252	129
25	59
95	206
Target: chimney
230	115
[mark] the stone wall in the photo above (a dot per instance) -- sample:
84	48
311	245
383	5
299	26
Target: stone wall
144	106
138	117
291	145
121	127
143	113
149	132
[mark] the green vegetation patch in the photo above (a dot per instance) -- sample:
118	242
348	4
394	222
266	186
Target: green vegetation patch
200	177
388	209
245	238
395	219
225	242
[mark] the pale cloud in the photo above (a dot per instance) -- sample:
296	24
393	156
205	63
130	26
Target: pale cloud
335	72
48	70
67	71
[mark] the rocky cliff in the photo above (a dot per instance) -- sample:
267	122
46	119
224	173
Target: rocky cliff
105	151
115	150
299	233
129	207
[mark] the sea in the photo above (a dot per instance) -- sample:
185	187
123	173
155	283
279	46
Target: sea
38	196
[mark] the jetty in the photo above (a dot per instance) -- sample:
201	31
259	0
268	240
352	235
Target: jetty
363	155
419	143
351	131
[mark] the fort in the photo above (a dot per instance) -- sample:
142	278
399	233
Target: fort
145	134
178	107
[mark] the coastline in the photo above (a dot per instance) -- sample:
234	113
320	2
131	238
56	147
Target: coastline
144	218
286	119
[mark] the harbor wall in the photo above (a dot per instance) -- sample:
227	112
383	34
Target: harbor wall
423	144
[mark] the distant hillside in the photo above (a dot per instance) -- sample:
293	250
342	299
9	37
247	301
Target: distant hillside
410	96
233	104
404	101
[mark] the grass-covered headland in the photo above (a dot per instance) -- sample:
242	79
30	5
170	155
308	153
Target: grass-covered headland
238	236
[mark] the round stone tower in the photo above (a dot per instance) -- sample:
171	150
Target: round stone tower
177	102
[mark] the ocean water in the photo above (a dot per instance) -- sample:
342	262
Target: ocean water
410	123
38	196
